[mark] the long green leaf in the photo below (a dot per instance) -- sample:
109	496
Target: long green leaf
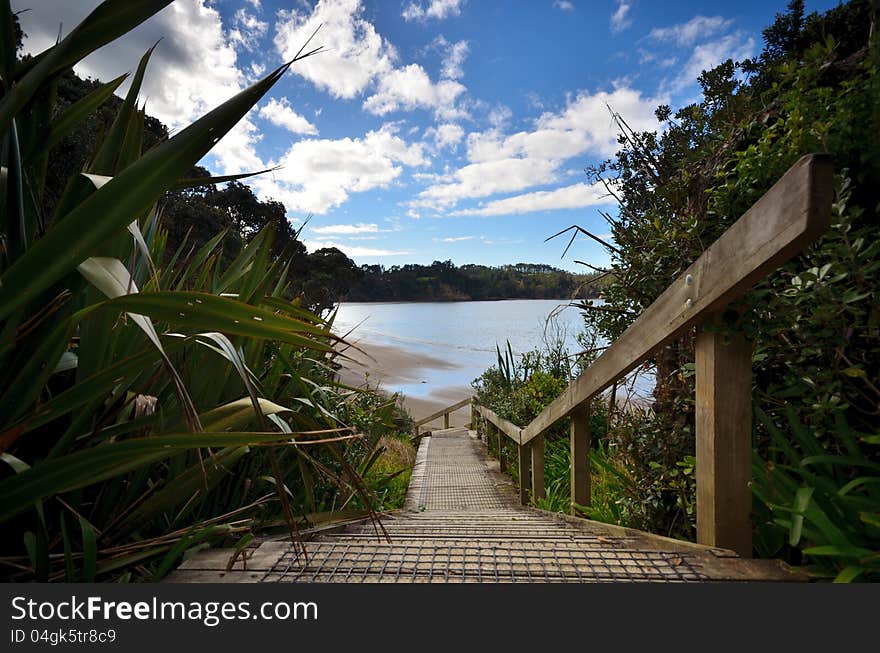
108	21
104	461
80	110
198	478
129	194
207	312
107	159
90	551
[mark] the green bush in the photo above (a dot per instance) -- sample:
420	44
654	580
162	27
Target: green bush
815	322
152	403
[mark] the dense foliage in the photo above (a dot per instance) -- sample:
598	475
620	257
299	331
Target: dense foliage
196	212
443	281
154	400
814	323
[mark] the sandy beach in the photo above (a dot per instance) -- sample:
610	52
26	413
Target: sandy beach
391	367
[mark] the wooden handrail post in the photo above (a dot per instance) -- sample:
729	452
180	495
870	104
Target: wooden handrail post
502	465
475	426
536	447
524	476
446	420
724	441
580	456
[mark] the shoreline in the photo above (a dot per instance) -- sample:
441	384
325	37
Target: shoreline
466	301
389	367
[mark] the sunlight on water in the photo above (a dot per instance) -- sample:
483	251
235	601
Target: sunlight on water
462	334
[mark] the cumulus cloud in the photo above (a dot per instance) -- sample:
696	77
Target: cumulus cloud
279	113
696	29
564	5
347	229
445	135
505	163
568	197
247	29
453	61
355	53
410	88
358	58
708	55
621	19
488	178
317	175
193	69
438	9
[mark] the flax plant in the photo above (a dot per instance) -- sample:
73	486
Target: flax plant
147	409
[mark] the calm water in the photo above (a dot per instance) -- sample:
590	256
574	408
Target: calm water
462	334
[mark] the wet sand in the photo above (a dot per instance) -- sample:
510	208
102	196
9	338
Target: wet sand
392	367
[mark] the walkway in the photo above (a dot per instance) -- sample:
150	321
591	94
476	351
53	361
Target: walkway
462	523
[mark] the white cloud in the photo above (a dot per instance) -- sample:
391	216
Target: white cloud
696	29
569	197
499	116
355	54
352	250
508	163
488	178
587	117
564	5
345	229
247	29
410	88
438	9
356	57
279	113
317	175
708	55
445	135
453	239
620	19
193	69
453	61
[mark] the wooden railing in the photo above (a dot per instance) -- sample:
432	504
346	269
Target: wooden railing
444	413
793	213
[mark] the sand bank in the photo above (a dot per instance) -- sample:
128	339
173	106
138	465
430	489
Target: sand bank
392	367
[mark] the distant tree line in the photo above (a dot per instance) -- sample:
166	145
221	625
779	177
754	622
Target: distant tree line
443	281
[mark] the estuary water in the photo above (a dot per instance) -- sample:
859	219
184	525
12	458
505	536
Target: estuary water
462	335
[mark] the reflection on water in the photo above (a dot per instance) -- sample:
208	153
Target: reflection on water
463	334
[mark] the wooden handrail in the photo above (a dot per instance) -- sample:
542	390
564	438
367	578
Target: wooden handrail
444	411
793	213
507	427
788	217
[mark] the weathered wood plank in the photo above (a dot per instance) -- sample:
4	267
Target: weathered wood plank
794	212
536	447
502	463
509	429
724	442
580	457
443	411
524	476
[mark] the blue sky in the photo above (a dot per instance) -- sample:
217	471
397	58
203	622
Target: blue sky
428	129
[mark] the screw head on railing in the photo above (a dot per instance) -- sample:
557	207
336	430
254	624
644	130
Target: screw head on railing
689	302
689	280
